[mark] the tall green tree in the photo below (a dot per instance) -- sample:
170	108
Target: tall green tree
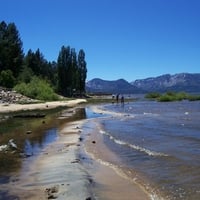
38	64
63	64
11	52
82	69
72	71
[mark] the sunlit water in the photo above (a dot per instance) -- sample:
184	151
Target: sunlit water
159	143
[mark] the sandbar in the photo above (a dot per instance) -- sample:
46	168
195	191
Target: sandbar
7	108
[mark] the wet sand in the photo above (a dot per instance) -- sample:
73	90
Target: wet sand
59	172
110	182
56	173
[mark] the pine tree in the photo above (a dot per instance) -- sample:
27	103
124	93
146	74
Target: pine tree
11	53
38	64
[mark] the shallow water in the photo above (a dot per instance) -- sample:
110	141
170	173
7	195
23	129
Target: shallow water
159	145
31	136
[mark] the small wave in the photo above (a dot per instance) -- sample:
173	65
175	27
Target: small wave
136	180
150	114
135	147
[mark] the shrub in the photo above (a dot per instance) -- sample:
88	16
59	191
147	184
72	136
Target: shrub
194	97
37	89
152	95
166	97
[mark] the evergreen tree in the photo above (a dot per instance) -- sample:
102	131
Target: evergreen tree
72	72
82	75
11	53
7	79
63	72
38	64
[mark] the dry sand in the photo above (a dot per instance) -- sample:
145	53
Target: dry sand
6	108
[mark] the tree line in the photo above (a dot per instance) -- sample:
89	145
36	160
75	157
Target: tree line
66	76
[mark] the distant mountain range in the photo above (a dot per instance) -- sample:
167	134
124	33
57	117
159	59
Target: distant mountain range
179	82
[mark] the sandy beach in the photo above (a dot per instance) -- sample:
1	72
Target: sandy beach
112	183
7	108
61	170
56	173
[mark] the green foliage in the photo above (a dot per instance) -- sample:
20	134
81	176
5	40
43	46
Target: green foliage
181	96
11	53
67	76
72	71
152	95
7	79
193	97
167	97
82	71
37	89
172	96
25	75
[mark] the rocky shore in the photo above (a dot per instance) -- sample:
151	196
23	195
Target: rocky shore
8	96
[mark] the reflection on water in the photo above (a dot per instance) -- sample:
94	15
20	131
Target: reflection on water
34	147
31	136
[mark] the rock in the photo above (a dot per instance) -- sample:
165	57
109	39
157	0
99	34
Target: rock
94	142
51	192
11	144
76	161
8	96
28	132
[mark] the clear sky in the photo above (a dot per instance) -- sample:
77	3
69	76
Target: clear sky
130	39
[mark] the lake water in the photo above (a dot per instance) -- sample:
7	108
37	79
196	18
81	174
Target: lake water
158	145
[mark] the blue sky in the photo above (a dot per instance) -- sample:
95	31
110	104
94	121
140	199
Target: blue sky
130	39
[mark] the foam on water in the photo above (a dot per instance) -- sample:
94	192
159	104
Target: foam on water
135	147
160	141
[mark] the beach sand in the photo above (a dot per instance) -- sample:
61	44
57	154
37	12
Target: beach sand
56	173
59	172
111	183
7	108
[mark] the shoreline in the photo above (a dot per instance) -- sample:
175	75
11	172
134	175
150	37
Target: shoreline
9	108
61	171
56	173
110	181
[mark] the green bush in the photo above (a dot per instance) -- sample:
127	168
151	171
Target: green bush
181	96
166	97
37	89
172	96
152	95
194	97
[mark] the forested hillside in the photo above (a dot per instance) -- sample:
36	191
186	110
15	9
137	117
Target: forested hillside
31	71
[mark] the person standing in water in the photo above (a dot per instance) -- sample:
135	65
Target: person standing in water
117	98
122	100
